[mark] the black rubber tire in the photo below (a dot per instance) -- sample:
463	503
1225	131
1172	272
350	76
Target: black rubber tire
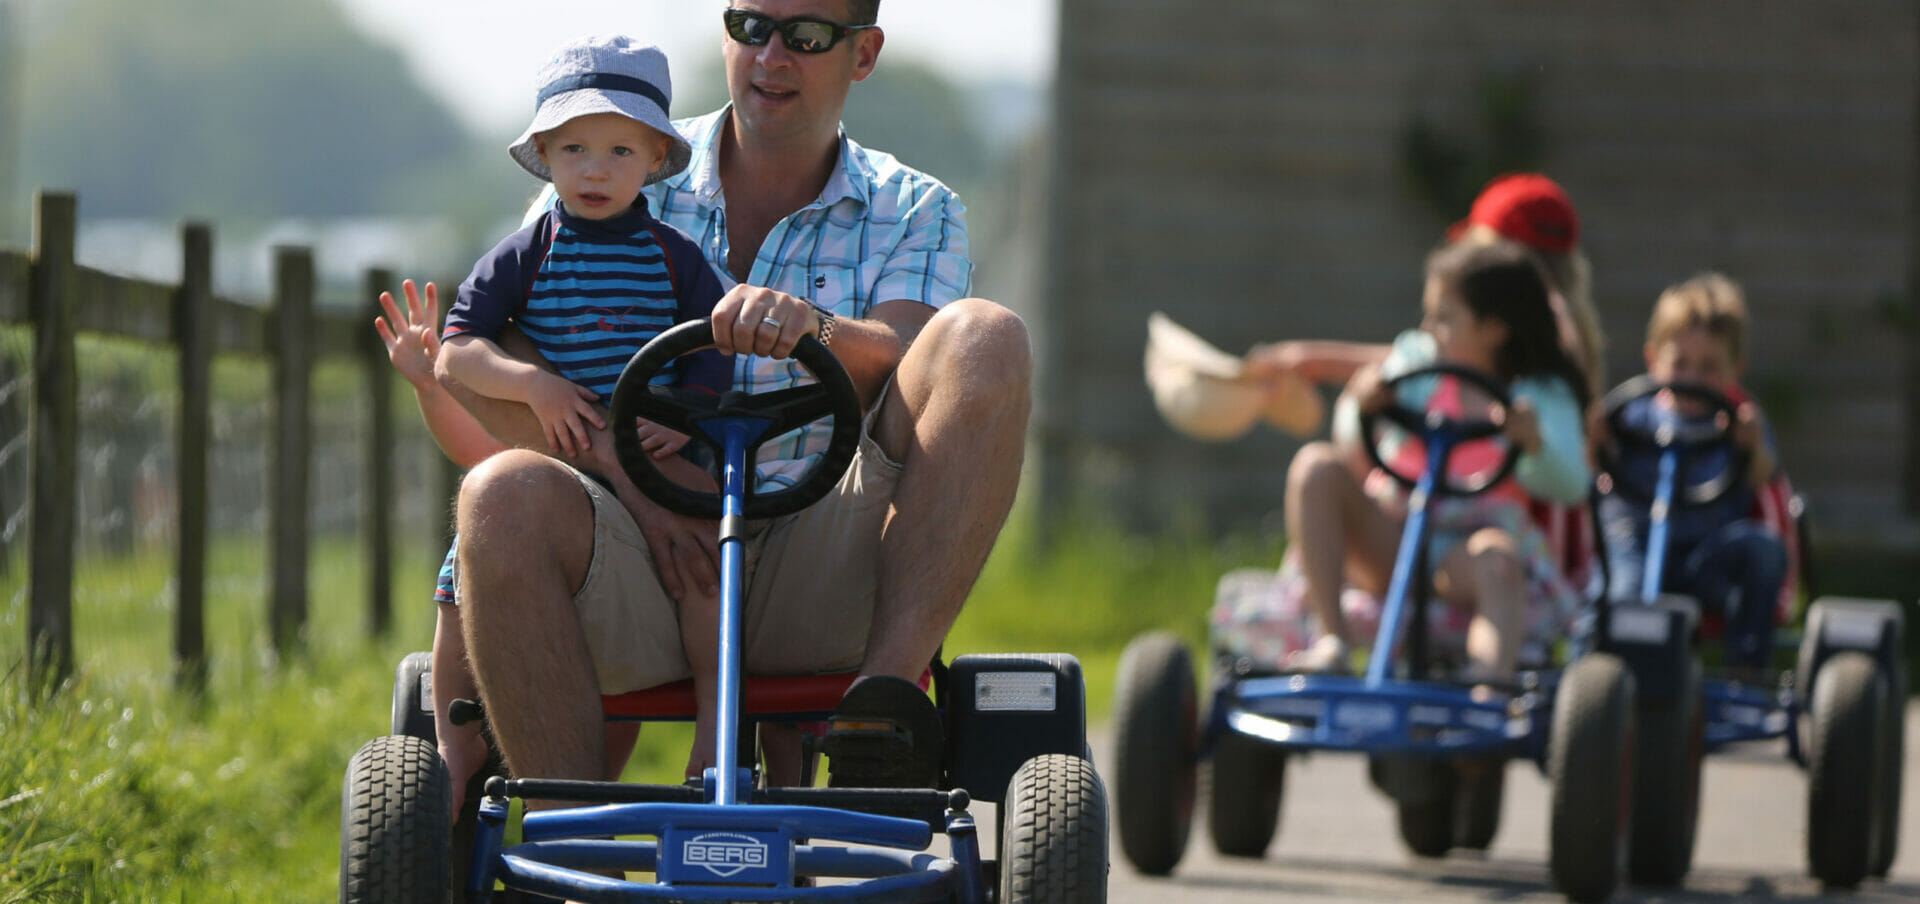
1053	845
1246	783
1589	763
1156	715
1426	812
409	716
395	823
1848	709
1893	753
1669	745
1480	791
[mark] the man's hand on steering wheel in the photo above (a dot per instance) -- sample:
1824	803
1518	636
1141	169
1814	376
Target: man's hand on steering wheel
755	320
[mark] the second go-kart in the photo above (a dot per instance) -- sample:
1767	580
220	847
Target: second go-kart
1840	709
1015	728
1437	747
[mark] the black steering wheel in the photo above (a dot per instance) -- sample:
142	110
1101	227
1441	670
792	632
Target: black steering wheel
1431	424
1686	435
687	410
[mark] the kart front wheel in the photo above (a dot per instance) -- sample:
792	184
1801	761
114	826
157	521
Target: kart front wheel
1589	762
1053	838
1155	717
1669	745
395	823
1843	791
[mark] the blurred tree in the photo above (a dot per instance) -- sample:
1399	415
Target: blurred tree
223	108
905	108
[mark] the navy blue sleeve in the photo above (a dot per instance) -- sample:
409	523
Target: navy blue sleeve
699	288
496	290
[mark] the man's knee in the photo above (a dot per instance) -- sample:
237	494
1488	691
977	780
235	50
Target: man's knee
978	344
521	503
1496	560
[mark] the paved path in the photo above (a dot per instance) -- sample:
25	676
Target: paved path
1337	843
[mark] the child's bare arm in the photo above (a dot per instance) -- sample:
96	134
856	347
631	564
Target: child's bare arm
1317	360
564	409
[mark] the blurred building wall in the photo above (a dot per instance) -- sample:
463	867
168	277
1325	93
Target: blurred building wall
1240	164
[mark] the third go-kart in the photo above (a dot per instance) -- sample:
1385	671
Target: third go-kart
1436	746
1014	726
1840	708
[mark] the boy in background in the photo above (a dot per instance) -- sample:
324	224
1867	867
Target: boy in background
1722	554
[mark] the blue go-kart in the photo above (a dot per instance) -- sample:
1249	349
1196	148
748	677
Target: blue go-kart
1014	725
1435	747
1840	708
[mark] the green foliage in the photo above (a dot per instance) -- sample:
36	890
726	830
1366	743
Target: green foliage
224	108
1446	170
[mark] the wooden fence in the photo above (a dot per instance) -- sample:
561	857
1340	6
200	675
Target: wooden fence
58	299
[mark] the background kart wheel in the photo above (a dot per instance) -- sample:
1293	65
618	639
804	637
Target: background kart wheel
1478	794
1053	839
1848	710
1669	743
1425	800
1589	765
1155	740
413	697
1246	783
1893	753
395	824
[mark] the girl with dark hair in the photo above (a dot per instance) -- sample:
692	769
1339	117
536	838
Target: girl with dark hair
1486	307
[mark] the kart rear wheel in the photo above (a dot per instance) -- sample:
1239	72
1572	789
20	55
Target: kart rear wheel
395	824
1589	763
1845	747
1247	781
1669	743
1053	839
1155	734
1478	796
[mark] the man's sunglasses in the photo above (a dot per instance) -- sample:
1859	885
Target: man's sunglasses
801	34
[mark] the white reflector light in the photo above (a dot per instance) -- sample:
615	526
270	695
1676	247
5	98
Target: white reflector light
1014	691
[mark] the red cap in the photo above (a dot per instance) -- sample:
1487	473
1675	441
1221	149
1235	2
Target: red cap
1528	208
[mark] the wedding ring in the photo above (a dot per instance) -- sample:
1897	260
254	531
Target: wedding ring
769	320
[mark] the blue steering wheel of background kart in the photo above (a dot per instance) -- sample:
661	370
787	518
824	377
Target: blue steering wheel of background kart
705	417
1683	435
1427	424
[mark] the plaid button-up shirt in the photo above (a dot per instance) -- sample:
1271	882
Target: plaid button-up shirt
880	231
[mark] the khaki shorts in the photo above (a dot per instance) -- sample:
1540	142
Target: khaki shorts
810	584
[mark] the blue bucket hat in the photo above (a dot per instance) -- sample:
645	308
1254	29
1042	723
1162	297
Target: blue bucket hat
604	74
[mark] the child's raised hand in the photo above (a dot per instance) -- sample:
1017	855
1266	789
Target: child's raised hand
1523	425
660	442
564	409
412	335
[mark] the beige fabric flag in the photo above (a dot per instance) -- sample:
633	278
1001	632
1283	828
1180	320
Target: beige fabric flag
1205	392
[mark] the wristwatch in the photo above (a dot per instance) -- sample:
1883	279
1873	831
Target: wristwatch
826	324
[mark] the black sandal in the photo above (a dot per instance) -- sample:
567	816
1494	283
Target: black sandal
886	733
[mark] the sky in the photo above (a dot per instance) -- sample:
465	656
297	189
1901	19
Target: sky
481	56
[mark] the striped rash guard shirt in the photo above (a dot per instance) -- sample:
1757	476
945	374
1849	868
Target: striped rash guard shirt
590	293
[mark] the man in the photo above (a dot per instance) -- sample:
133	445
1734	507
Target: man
567	593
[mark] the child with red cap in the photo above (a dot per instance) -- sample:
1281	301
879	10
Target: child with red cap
1535	211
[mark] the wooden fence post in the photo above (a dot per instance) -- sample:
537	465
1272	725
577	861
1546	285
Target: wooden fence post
55	429
292	447
193	335
376	496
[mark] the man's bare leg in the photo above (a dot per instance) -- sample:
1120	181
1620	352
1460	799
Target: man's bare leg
955	417
526	540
